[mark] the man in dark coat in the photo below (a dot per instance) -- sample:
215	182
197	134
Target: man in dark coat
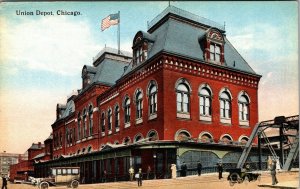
4	182
220	170
183	169
199	168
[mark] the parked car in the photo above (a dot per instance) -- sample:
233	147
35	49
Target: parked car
61	176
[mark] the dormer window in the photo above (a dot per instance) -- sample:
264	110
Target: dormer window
215	52
138	55
142	42
214	46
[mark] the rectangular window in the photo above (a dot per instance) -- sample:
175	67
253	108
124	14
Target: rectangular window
58	171
179	102
202	105
207	106
215	52
75	171
185	103
222	108
227	109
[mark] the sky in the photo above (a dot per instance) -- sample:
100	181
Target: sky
41	56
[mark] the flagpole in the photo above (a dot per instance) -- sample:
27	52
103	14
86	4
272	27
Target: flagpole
119	33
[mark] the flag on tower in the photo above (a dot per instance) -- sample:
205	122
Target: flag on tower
112	19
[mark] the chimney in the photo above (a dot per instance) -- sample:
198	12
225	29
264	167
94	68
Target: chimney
39	144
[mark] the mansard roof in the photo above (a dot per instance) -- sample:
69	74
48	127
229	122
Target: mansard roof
70	108
180	33
109	71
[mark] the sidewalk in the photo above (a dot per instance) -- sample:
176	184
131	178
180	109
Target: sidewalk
286	185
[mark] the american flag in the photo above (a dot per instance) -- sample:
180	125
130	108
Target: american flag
112	19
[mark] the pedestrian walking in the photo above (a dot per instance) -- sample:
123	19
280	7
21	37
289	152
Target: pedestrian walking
4	182
273	173
131	173
220	170
139	177
199	168
148	172
104	174
183	169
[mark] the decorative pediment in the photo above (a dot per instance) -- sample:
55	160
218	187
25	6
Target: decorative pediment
215	35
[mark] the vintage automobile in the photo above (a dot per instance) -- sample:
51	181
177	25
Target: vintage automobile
61	176
238	175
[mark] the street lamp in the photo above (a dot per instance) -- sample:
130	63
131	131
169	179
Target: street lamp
154	167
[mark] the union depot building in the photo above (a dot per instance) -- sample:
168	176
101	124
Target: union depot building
184	94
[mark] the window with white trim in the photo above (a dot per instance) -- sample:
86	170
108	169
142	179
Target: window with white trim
183	98
139	105
117	117
215	52
127	109
84	124
205	102
225	105
78	127
109	119
103	122
90	120
153	98
243	108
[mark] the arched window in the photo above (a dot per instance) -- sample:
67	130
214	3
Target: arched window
138	137
103	122
139	104
183	97
78	127
71	136
127	109
205	138
243	108
84	124
182	135
152	98
225	105
90	120
243	140
126	140
152	135
60	139
89	149
67	136
205	103
109	120
117	118
226	139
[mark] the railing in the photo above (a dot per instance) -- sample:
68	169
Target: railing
185	14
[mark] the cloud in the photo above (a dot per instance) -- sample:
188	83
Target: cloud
29	116
54	44
274	55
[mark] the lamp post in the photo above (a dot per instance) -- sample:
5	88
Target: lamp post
154	166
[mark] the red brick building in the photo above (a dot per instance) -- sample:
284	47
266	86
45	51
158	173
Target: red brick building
185	90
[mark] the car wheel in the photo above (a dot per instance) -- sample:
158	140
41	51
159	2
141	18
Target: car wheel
44	185
234	177
74	184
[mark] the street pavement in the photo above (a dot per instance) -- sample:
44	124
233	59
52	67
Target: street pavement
207	181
